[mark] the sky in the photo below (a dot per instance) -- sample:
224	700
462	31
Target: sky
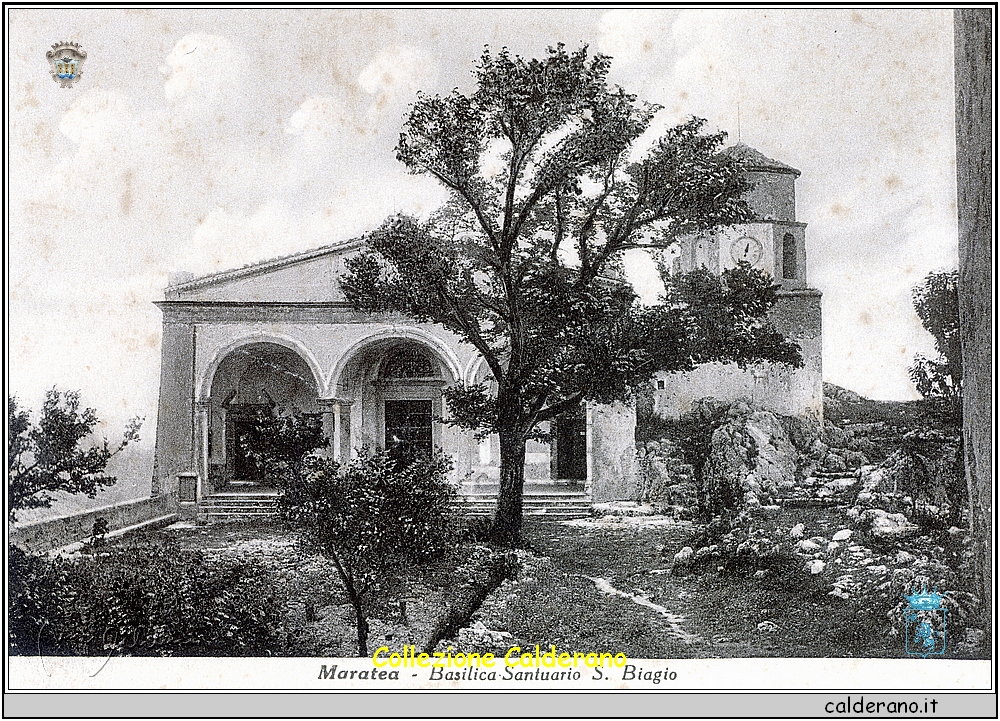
201	140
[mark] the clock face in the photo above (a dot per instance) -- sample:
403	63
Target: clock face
747	249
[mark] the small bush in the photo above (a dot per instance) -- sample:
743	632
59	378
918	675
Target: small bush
145	599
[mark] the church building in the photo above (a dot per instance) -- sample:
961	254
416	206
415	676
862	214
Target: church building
281	334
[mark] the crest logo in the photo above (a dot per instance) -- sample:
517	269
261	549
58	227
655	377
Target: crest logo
926	623
66	60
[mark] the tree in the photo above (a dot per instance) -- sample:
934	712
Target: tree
372	516
936	301
524	260
281	442
48	457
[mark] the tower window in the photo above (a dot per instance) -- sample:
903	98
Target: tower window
789	258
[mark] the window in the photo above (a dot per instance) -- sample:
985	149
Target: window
789	258
660	384
407	363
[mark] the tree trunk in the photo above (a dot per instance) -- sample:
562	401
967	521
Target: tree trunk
507	523
355	598
362	623
974	146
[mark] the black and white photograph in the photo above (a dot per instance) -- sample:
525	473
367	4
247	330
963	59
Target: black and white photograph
500	349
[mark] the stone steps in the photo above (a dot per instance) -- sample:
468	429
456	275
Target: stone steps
552	503
238	507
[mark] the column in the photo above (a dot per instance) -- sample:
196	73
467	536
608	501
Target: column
202	411
329	407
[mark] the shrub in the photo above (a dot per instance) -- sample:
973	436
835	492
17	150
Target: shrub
372	516
145	599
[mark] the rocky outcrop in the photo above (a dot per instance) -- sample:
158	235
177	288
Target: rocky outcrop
751	457
668	483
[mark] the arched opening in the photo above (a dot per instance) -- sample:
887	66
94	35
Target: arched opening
789	258
255	378
392	387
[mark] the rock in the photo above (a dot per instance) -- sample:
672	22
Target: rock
760	574
974	637
798	530
955	531
684	556
888	525
904	557
808	546
877	569
702	552
816	566
832	546
818	539
835	463
767	627
843	534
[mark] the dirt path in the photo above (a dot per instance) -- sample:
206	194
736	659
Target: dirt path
709	615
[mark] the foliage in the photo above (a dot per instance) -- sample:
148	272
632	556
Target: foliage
524	260
372	516
47	457
282	441
143	599
940	380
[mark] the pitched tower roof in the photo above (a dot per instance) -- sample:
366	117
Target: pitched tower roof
753	159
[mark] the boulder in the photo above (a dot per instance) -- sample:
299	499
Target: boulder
808	546
684	556
888	525
798	530
816	566
843	534
835	463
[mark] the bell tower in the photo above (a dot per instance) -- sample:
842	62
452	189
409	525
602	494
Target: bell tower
775	242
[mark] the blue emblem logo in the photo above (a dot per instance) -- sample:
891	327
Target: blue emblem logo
66	62
926	623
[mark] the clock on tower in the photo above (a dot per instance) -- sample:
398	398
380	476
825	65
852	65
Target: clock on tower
747	249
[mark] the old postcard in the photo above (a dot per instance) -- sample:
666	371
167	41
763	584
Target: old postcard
576	349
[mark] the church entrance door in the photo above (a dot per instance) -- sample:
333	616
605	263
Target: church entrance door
571	445
409	427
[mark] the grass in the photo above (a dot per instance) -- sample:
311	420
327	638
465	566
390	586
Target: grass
559	604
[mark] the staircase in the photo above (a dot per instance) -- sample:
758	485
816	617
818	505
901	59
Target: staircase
545	500
239	506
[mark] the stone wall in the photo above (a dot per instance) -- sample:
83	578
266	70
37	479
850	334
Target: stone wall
56	532
612	453
772	387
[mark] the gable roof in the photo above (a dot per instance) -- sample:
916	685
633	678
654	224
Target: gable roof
753	159
260	268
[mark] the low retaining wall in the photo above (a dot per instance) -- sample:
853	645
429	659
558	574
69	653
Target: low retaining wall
56	532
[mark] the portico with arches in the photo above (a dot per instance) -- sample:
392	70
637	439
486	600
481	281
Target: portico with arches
280	336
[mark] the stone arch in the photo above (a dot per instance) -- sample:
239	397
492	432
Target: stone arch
475	367
220	354
445	355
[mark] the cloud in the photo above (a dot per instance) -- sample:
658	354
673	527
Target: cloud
200	65
633	35
323	117
397	73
